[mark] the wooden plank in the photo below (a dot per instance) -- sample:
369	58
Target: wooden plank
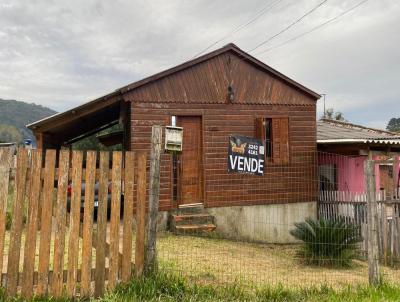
115	218
397	238
5	164
128	217
16	226
101	224
385	230
90	175
46	223
74	223
32	226
59	230
140	214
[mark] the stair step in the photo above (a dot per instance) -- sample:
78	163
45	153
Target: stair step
202	218
191	205
194	208
195	228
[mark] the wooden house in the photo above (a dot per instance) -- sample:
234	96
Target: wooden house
224	92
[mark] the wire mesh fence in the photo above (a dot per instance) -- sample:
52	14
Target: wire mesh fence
302	223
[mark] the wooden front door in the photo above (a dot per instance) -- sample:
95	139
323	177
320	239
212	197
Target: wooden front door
386	179
190	175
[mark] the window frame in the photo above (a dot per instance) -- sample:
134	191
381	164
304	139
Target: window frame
261	134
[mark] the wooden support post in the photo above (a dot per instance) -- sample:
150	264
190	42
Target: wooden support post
140	214
154	189
373	254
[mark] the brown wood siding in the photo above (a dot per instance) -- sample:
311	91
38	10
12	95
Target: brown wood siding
292	182
208	82
202	90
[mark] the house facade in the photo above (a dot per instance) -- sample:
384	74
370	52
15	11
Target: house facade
226	92
344	147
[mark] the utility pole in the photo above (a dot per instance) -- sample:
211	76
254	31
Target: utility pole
324	95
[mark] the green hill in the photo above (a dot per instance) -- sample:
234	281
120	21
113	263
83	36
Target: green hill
15	115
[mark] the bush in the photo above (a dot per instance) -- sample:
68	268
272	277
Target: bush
328	242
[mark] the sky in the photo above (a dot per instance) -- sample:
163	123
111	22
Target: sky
61	54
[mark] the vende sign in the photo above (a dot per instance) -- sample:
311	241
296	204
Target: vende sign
245	155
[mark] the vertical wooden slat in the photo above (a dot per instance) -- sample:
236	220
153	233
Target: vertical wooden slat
128	216
115	218
16	227
90	176
59	231
5	165
397	244
101	224
30	240
140	214
45	223
73	244
384	231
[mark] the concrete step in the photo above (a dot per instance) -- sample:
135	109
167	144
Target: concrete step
194	208
194	229
189	219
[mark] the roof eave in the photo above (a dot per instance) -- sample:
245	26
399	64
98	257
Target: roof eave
362	141
35	125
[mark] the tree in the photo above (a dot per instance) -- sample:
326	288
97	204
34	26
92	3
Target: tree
393	125
10	133
331	114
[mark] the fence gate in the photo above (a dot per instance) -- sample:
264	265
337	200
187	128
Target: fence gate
66	221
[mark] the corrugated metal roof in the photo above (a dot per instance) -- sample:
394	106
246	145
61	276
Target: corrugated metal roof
330	131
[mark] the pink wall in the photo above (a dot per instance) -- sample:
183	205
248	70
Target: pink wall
350	171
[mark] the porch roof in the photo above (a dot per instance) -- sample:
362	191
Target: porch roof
338	132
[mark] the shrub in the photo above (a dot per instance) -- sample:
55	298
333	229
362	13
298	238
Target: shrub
328	242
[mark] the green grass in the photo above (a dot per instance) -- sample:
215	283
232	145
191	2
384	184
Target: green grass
168	287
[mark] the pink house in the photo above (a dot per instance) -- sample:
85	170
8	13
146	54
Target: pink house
344	147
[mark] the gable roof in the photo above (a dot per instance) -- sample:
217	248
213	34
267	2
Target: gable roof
115	96
229	47
333	132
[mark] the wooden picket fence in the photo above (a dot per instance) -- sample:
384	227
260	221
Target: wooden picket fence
55	249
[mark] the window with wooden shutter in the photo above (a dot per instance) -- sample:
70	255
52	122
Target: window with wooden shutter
274	132
280	140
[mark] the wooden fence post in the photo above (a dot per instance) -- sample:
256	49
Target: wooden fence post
154	189
140	214
5	165
373	253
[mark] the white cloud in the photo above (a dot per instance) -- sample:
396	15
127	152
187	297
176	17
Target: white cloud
63	53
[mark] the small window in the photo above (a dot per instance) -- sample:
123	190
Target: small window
274	132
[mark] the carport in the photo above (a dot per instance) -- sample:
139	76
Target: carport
63	129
